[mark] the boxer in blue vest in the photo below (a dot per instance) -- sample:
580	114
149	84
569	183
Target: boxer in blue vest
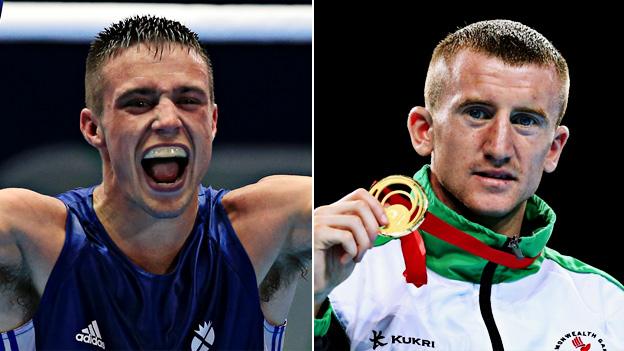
150	258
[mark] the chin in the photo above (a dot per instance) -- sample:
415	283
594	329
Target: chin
166	214
491	212
166	208
490	208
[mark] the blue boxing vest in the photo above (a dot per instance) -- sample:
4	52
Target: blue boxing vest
97	299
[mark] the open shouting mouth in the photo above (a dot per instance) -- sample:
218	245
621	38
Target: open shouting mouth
165	167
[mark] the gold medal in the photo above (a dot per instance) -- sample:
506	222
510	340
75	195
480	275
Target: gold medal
402	219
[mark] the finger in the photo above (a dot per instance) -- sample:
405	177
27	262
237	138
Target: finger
373	203
359	208
354	225
329	237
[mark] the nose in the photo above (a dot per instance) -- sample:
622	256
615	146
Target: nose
167	121
498	145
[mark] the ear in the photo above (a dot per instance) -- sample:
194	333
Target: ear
419	125
90	128
562	133
215	118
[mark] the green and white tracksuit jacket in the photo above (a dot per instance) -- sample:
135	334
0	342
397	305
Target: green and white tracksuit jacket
468	303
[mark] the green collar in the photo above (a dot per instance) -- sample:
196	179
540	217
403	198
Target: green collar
455	263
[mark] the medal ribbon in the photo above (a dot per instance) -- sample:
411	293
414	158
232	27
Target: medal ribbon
413	247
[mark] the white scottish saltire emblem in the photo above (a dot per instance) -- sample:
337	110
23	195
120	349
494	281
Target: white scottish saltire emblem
204	337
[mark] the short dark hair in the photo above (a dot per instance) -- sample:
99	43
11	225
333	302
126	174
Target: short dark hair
512	42
150	30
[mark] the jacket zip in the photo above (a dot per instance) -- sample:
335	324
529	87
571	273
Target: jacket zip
513	244
485	292
486	306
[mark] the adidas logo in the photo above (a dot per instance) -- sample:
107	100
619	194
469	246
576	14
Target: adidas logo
91	335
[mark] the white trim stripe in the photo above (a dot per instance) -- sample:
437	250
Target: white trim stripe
20	338
97	330
273	336
80	22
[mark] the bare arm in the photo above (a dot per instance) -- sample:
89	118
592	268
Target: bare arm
11	263
276	304
343	232
273	221
31	237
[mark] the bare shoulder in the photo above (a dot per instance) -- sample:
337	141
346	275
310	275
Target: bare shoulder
24	211
271	217
32	230
278	192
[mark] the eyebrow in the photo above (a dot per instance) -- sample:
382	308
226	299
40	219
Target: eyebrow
468	102
190	89
151	92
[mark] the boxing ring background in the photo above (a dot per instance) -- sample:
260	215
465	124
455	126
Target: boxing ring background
262	59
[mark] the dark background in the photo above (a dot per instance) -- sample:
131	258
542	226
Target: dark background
370	69
217	2
263	93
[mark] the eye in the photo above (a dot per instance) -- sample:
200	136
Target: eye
137	105
188	101
526	120
477	113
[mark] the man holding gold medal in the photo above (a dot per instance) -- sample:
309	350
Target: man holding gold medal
470	270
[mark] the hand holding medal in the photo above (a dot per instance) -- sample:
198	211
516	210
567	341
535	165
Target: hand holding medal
405	204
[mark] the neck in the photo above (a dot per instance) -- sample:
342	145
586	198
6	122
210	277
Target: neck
509	224
150	242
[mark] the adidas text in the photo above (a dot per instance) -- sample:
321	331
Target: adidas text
88	339
91	335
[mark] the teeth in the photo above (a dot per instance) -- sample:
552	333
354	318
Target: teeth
165	151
